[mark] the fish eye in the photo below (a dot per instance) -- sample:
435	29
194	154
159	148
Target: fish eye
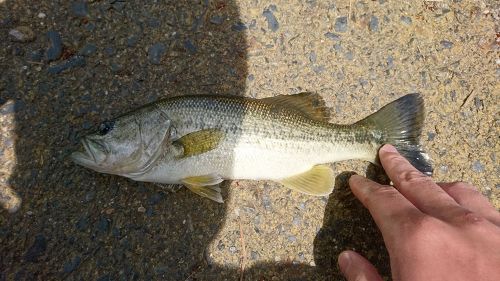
106	127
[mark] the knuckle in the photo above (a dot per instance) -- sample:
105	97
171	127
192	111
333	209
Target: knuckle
414	177
469	218
384	193
395	159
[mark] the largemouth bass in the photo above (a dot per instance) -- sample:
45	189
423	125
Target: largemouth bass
201	140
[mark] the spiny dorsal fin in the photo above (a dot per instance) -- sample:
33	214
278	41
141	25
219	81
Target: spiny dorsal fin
199	142
310	104
317	181
206	186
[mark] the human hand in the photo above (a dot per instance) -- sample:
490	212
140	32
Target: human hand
445	231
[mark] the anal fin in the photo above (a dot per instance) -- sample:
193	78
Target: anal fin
318	181
169	187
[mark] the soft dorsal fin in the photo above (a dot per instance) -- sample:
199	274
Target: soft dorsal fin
317	181
199	142
310	104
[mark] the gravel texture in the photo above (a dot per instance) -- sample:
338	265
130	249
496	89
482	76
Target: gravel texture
68	65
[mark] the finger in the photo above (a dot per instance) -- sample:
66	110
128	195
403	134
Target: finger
389	208
356	268
418	188
468	197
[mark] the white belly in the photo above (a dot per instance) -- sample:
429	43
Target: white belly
254	162
259	164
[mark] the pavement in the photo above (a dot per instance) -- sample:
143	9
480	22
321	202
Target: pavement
68	65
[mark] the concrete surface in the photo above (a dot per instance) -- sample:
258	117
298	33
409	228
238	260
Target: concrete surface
102	58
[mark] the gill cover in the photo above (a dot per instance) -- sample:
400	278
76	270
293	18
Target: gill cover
128	146
155	134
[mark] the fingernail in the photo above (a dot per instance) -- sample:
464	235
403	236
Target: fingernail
388	148
344	262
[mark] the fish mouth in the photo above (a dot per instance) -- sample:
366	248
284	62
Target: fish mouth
92	155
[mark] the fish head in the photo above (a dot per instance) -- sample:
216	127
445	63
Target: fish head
128	145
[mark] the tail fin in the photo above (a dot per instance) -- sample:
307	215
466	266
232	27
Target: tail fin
400	124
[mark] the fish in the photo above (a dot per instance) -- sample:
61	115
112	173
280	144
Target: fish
201	140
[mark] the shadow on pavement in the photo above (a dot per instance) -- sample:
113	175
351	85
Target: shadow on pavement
88	62
346	225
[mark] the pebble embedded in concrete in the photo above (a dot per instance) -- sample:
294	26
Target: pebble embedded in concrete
341	24
446	44
22	34
406	20
88	50
73	62
272	21
373	24
156	52
55	46
80	9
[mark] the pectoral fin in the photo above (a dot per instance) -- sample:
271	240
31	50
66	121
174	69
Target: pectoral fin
206	186
199	142
203	180
318	181
209	191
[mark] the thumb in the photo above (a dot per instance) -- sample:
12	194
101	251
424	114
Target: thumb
354	267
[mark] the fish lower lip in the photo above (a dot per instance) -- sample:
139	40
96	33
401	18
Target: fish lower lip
89	151
79	157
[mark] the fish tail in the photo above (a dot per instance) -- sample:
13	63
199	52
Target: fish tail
399	123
